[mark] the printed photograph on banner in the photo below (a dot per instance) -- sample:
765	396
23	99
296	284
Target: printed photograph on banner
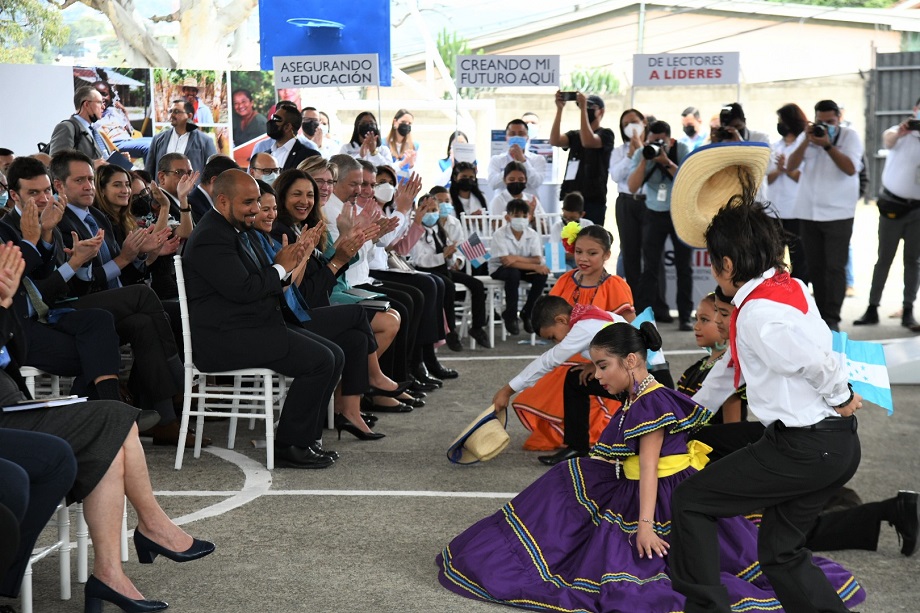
126	123
252	96
205	90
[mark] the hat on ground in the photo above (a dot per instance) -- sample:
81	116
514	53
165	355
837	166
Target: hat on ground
482	440
190	82
596	101
707	179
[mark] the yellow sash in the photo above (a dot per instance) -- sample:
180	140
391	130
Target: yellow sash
696	456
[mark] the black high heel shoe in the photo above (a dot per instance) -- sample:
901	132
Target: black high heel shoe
147	550
342	423
95	592
369	418
400	388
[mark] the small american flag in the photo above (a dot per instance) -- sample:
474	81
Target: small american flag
474	250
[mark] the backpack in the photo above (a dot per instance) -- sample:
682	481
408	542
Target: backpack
78	130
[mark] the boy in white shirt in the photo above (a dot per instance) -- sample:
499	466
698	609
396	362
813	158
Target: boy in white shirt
573	209
515	182
517	256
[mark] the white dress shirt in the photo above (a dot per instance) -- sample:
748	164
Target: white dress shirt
177	144
620	167
359	272
826	193
505	243
792	374
783	190
382	158
425	254
901	176
501	199
533	162
281	153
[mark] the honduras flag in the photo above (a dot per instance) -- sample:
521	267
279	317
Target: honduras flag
654	358
865	364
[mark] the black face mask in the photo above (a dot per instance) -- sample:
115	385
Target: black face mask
274	130
592	115
782	129
365	128
465	184
516	188
690	131
141	205
404	129
310	126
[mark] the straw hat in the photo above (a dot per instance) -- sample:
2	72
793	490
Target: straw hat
706	181
190	82
482	440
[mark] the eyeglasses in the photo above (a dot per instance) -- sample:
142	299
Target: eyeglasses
327	182
179	173
276	119
267	171
177	112
144	193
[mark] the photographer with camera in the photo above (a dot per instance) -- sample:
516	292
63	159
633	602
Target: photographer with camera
826	204
899	218
651	179
733	127
589	153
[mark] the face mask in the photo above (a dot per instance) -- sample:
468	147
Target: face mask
690	131
633	129
446	209
141	205
429	219
782	129
520	141
4	198
270	178
274	130
832	132
384	192
309	127
403	129
532	130
515	188
365	128
592	115
465	184
518	223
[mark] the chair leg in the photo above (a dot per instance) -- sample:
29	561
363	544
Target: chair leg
82	545
186	408
235	409
124	533
269	422
25	591
63	523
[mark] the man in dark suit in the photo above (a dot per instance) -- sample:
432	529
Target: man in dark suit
200	199
157	373
77	132
237	321
283	127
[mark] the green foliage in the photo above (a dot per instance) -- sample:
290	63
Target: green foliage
82	28
593	81
27	26
450	46
863	4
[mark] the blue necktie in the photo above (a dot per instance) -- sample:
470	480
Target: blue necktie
103	150
104	254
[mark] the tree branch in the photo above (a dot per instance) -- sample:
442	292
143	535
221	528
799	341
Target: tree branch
171	17
234	14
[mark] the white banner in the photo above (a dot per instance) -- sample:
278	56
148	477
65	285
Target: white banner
298	71
507	71
657	70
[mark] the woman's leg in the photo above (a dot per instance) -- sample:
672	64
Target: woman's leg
350	408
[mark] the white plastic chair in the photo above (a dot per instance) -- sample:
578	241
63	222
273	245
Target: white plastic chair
62	547
257	397
544	224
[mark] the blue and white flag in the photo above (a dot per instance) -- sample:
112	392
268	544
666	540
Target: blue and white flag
654	358
865	364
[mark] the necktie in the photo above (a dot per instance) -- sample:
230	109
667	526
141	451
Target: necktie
35	297
250	249
104	252
103	150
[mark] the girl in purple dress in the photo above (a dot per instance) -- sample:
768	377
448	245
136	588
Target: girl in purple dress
592	533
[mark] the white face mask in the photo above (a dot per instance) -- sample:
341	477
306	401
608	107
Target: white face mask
270	178
384	192
633	129
518	224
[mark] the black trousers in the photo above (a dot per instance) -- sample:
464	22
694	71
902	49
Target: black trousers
395	360
827	245
657	227
473	285
596	211
81	344
431	324
316	365
140	321
797	257
791	473
36	472
346	326
630	213
577	408
512	278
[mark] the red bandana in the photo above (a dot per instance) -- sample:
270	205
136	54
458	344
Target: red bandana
780	288
581	312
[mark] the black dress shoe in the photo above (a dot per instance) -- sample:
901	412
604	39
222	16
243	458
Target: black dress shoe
453	342
907	317
400	388
869	318
563	455
423	376
416	394
481	336
664	318
397	408
907	520
443	373
369	418
289	456
685	325
415	403
148	550
525	321
422	386
95	592
326	452
511	325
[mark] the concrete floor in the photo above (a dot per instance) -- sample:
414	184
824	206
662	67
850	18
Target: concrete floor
362	535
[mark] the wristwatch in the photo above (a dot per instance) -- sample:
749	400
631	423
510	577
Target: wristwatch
828	147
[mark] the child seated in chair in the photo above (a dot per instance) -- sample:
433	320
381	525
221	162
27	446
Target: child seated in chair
515	178
573	209
517	255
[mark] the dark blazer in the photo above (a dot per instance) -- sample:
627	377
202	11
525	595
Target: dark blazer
318	281
234	303
199	202
41	264
71	223
174	206
299	152
71	134
200	147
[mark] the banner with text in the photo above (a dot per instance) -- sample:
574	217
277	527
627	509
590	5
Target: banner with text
507	71
354	70
662	69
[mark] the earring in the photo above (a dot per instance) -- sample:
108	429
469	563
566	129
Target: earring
635	383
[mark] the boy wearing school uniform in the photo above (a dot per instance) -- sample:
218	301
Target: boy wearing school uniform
517	255
573	210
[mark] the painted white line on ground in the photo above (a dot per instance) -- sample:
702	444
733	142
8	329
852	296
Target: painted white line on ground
378	493
487	358
258	481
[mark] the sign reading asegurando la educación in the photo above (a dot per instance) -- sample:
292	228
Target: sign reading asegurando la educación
299	71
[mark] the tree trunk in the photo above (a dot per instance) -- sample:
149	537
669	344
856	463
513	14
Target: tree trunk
141	48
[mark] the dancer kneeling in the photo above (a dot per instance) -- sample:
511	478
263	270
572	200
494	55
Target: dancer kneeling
592	533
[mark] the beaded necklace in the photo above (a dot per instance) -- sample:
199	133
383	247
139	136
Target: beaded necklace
576	295
640	389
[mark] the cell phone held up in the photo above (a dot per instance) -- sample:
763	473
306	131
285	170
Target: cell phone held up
913	124
569	96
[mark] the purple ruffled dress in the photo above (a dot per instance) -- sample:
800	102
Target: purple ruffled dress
567	542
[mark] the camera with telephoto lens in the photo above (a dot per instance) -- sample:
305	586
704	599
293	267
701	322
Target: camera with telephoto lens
652	150
725	119
819	130
913	124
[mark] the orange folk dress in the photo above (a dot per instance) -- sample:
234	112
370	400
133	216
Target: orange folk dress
540	408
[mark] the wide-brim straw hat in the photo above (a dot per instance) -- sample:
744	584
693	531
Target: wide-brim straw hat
190	82
482	440
707	179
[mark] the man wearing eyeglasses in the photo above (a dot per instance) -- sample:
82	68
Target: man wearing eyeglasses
183	137
78	131
282	127
263	167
